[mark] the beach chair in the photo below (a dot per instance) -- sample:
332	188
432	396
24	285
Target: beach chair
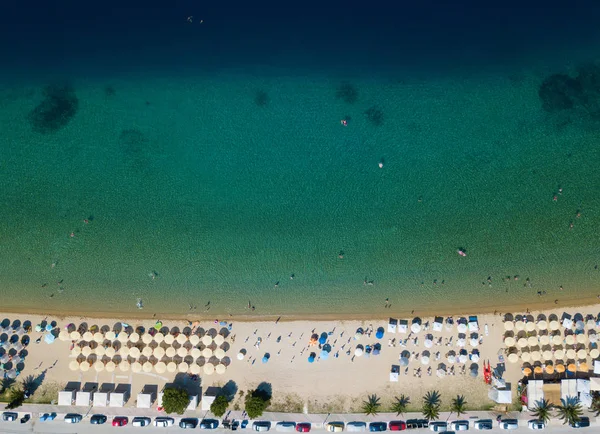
392	325
394	373
473	324
403	326
438	323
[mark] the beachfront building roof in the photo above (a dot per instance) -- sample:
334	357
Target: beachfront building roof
100	399
535	392
118	399
207	401
83	399
193	403
500	396
568	388
583	386
144	400
594	383
66	397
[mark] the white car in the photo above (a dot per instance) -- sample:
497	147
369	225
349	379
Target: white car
509	424
536	424
164	421
438	426
483	424
460	425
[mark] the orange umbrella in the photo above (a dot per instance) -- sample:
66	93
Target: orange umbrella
527	372
538	370
549	369
571	367
583	367
560	368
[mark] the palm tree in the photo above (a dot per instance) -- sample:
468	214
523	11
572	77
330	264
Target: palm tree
16	395
458	405
371	406
542	410
399	406
570	410
595	404
431	405
6	384
432	398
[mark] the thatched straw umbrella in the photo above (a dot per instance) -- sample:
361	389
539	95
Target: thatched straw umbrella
538	370
583	367
572	367
527	372
549	369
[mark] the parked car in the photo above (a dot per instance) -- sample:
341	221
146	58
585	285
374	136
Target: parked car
303	427
336	426
536	424
417	423
261	425
438	426
377	426
73	418
285	426
47	417
209	423
235	425
141	421
244	424
120	421
509	424
583	422
25	418
10	416
188	423
397	425
98	419
164	421
483	424
459	425
355	426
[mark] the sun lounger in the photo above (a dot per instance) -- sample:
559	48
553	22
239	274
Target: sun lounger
403	326
438	324
392	325
394	373
473	324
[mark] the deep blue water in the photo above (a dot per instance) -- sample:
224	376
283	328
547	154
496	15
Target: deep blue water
116	37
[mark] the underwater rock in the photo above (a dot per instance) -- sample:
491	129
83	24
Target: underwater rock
59	106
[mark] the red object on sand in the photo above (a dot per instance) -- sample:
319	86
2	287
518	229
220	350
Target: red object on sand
487	373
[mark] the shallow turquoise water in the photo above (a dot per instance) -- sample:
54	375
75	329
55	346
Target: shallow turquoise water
221	199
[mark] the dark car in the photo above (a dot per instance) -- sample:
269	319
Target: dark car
98	419
120	421
73	418
244	424
25	418
377	426
188	423
397	425
10	416
303	427
141	421
417	423
235	425
209	424
583	422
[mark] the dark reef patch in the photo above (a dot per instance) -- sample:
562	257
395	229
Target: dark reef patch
59	106
347	93
374	116
261	98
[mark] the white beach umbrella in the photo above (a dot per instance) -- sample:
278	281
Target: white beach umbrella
183	367
159	337
557	340
134	352
160	367
441	373
219	339
530	326
74	365
169	339
84	366
582	354
195	353
75	336
593	337
526	356
428	343
123	337
462	358
207	352
98	337
542	325
110	352
194	340
110	335
554	325
182	352
475	357
594	353
519	325
159	352
532	341
570	340
195	369
474	342
124	351
509	325
536	356
147	338
181	339
452	359
571	353
76	350
171	352
547	355
147	351
219	353
424	360
99	366
99	350
147	367
124	366
544	340
559	354
134	337
358	351
110	366
509	341
590	324
579	325
220	369
171	367
522	343
415	327
241	356
462	328
64	335
209	369
513	358
88	336
136	367
86	351
461	343
581	338
206	340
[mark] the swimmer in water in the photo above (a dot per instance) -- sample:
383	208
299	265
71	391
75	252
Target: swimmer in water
139	304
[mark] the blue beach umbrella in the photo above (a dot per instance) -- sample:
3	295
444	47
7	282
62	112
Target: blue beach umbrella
324	355
379	333
49	338
266	358
323	338
48	328
311	358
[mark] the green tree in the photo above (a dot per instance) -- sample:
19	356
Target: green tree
255	406
542	410
219	406
399	406
431	405
16	397
371	406
6	384
595	403
459	405
175	400
570	410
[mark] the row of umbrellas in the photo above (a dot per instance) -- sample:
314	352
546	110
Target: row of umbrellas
559	368
559	354
157	352
557	339
134	338
551	325
160	367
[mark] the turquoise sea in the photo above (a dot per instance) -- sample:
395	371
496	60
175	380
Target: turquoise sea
204	188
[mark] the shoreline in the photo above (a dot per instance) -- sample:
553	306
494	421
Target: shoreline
143	314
